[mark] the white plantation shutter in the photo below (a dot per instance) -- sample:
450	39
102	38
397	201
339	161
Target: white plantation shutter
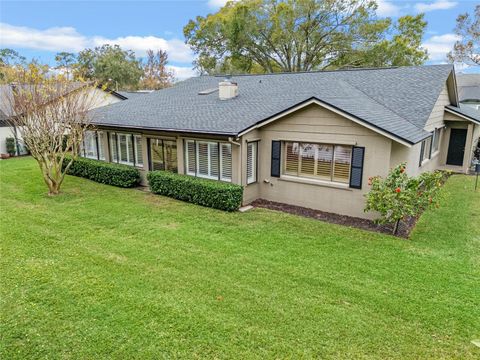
252	162
208	159
101	143
214	160
113	147
190	157
90	144
138	150
322	161
202	159
226	162
341	164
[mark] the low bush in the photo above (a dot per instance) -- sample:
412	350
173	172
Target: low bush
210	193
399	196
11	146
104	172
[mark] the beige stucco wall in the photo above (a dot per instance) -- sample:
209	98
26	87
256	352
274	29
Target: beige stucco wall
316	124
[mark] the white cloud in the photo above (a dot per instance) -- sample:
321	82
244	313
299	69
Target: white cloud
386	8
215	4
439	45
68	39
182	73
436	5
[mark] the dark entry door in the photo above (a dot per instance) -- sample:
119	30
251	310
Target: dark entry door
456	146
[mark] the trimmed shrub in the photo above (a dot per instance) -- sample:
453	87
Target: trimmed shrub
104	172
11	146
210	193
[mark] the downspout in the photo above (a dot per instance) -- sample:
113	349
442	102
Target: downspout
230	140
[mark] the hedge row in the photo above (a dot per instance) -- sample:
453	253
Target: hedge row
104	172
210	193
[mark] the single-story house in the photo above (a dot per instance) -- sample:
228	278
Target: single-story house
102	96
308	139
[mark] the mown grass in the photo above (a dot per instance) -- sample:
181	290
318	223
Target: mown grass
103	272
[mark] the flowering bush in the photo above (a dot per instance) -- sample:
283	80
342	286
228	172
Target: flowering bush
398	196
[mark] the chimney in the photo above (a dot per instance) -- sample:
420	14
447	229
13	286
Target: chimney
227	89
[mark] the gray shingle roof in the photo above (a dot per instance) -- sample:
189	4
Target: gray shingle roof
396	100
466	110
468	87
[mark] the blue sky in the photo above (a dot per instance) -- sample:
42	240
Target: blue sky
41	28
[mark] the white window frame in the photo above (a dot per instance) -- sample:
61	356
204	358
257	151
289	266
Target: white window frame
316	179
138	161
253	162
196	143
209	159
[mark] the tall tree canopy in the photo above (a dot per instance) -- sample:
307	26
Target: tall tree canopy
302	35
65	61
155	72
467	49
110	65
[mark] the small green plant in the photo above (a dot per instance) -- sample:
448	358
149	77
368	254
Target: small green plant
11	146
398	196
210	193
104	172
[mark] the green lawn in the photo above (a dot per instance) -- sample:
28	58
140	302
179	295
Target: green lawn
103	272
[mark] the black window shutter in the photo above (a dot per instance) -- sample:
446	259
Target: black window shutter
356	172
422	151
276	155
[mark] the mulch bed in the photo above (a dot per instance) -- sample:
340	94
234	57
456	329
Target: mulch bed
404	228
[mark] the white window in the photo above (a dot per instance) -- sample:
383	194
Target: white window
90	145
252	148
113	147
208	159
101	142
319	161
138	150
426	150
436	139
126	149
225	162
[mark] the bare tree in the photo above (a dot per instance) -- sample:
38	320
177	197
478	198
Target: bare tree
467	49
156	75
50	113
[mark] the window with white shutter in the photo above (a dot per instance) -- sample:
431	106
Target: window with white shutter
90	145
138	150
318	161
190	158
208	159
101	143
113	147
252	150
226	162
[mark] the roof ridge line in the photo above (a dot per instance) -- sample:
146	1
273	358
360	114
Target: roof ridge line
324	71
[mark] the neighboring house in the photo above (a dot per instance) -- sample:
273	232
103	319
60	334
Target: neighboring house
469	90
307	139
134	94
103	97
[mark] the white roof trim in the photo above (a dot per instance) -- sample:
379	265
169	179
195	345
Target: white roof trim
466	117
331	108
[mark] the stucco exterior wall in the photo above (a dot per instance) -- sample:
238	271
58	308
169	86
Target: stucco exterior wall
317	125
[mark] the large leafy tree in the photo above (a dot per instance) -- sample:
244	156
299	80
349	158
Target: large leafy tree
467	49
110	65
302	35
